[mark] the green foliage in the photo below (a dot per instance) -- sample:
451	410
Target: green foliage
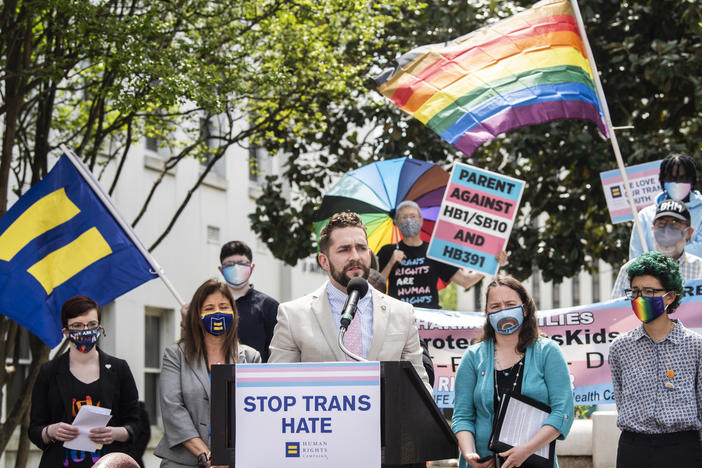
196	76
448	297
649	55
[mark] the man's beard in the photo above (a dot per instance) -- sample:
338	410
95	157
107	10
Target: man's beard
342	278
674	251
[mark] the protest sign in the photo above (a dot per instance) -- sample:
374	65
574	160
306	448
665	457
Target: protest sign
584	334
305	414
644	186
475	218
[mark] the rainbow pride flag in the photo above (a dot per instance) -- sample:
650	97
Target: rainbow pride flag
527	69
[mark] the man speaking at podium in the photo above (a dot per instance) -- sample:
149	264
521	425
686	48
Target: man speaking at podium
384	329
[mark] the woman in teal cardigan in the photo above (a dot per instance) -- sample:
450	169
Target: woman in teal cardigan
515	359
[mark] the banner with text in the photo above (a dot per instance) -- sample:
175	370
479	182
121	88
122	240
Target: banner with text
475	218
308	415
644	185
584	334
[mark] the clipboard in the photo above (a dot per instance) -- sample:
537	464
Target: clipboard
519	419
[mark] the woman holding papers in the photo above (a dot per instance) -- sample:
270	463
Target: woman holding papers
84	376
510	357
657	373
209	336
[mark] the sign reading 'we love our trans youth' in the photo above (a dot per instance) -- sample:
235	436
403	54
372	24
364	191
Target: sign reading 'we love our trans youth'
475	218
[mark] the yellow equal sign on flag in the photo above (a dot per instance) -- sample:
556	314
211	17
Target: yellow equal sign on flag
45	214
62	264
62	238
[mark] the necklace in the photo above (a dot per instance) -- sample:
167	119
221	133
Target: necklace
506	372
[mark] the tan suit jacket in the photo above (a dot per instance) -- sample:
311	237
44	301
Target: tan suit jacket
306	332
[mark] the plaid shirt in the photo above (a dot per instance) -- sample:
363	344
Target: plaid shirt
690	269
658	386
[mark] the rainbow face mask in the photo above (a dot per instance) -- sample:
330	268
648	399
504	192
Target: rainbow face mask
648	308
507	321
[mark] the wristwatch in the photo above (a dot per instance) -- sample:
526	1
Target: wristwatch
202	459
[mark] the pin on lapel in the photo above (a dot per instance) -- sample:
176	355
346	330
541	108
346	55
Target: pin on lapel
108	366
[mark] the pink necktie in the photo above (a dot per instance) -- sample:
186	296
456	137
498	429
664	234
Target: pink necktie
353	341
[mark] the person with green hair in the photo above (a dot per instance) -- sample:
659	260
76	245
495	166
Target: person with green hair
657	373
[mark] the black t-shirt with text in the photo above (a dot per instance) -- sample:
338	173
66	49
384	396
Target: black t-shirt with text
83	394
414	279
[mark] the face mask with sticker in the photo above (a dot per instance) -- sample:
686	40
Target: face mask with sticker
84	340
507	321
217	321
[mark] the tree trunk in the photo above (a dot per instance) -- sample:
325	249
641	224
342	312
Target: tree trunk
40	354
23	446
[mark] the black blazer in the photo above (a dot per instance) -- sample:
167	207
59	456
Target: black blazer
50	403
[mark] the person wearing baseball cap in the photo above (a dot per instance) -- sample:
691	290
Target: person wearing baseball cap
678	181
671	231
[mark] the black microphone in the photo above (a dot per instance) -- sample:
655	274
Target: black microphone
357	288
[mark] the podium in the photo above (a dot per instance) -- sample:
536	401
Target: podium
413	430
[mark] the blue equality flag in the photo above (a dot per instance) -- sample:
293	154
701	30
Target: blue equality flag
60	240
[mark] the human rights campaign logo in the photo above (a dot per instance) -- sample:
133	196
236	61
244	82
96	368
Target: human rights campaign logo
292	449
57	241
616	191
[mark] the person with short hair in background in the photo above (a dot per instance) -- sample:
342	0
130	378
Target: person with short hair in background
85	375
671	233
257	310
657	373
678	179
209	337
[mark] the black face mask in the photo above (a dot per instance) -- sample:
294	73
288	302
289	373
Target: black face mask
84	339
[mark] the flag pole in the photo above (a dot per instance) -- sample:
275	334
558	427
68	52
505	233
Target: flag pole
608	122
107	202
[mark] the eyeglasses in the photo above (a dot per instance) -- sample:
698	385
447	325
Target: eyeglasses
648	292
660	223
229	264
83	326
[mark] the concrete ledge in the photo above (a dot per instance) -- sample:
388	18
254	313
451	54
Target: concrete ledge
579	440
605	437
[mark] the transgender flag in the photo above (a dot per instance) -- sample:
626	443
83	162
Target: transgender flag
528	69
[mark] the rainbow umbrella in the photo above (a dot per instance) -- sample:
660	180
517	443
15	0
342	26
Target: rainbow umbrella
375	190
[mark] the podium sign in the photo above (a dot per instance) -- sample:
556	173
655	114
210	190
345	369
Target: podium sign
308	415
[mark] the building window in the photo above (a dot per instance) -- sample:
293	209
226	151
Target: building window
153	326
576	290
255	163
213	235
536	288
556	296
17	365
595	287
151	144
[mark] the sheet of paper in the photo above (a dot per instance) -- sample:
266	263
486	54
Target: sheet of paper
88	417
522	422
